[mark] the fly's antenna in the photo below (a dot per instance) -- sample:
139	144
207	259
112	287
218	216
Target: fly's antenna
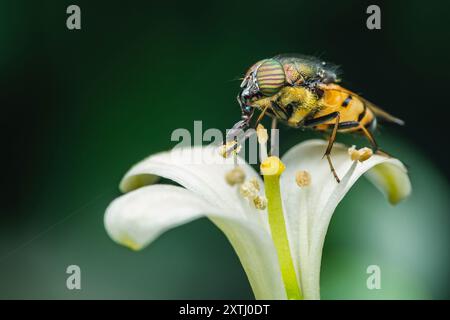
237	78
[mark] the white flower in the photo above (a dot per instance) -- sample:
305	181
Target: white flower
309	196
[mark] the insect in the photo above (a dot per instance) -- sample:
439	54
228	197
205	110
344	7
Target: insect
303	92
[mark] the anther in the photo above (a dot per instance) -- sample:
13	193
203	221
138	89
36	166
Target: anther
263	136
255	184
260	202
360	155
235	176
303	178
249	189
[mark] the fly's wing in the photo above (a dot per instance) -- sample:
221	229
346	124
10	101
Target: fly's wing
308	67
380	113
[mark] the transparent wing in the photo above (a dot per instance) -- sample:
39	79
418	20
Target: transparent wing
380	113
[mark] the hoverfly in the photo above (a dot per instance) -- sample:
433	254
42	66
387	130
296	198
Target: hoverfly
303	92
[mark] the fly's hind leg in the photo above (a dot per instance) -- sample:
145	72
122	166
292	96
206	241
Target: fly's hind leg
315	121
372	141
331	141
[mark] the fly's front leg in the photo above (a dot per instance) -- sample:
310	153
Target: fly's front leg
237	135
261	116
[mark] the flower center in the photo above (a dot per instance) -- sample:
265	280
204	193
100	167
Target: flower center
271	168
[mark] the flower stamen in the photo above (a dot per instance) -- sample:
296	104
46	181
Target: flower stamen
303	178
235	176
263	136
249	189
260	202
360	155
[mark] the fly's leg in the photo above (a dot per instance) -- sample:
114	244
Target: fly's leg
372	141
239	133
330	146
261	116
315	121
383	153
369	137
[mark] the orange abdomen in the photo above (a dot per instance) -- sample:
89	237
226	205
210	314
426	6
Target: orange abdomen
353	111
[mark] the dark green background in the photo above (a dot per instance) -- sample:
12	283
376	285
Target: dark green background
80	107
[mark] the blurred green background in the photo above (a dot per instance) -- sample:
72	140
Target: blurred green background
80	107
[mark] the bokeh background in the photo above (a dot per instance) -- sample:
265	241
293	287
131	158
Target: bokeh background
78	108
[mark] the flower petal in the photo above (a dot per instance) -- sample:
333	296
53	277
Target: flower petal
200	169
309	209
138	217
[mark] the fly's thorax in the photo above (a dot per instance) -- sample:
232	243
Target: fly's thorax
305	102
300	97
290	105
301	69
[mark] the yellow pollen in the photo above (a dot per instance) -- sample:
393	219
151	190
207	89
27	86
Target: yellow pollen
249	190
260	203
303	178
272	166
360	155
255	184
235	176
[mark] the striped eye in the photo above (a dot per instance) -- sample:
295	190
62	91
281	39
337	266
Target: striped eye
270	77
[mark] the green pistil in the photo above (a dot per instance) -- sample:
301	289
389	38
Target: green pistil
271	169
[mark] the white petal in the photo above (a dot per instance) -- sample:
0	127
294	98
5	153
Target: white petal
309	210
199	169
138	217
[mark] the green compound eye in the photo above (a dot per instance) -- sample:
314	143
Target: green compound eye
270	77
